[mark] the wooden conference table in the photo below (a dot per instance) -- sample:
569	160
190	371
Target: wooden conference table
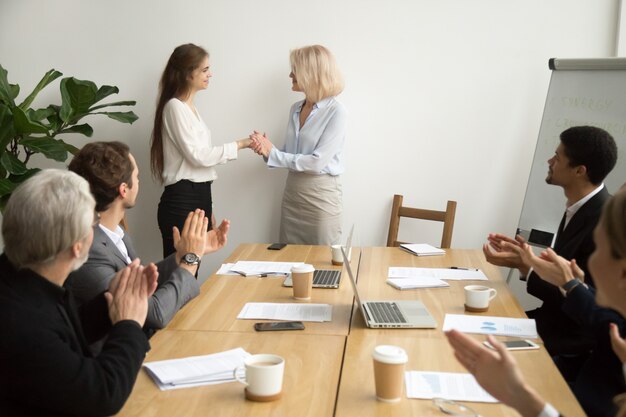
328	365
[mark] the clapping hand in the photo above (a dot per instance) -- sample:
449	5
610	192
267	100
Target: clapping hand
129	291
497	253
193	238
617	343
216	238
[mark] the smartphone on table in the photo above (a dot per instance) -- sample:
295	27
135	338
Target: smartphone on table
515	344
278	325
276	246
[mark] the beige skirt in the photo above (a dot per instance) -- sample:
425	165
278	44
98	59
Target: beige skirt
311	210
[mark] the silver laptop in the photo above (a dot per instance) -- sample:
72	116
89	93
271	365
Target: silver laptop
410	314
326	278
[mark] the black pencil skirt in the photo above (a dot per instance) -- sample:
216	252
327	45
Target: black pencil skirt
176	202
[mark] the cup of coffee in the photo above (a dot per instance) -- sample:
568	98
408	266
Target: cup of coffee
263	377
336	256
389	363
302	278
477	298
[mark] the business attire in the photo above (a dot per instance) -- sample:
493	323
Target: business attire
565	339
313	154
189	158
176	286
600	378
46	367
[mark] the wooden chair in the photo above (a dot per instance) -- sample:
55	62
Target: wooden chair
397	211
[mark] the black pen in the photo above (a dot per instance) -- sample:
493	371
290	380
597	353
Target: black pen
463	269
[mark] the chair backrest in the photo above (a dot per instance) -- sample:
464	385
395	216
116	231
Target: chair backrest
397	211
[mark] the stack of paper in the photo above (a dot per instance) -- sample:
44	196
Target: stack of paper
452	274
196	370
287	311
422	249
448	385
263	268
413	283
501	326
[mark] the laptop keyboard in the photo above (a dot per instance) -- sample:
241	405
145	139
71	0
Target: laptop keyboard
386	312
326	277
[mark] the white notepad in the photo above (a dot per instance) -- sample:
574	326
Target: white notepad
413	283
287	311
422	249
448	274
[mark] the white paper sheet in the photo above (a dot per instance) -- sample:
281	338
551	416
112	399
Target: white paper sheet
500	326
225	269
422	249
287	311
439	273
196	370
248	268
414	283
448	385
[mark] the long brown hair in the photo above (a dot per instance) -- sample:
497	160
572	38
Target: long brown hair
174	83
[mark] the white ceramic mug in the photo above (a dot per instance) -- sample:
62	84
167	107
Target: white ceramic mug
477	297
263	377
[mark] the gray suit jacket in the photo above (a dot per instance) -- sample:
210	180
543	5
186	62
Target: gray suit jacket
176	285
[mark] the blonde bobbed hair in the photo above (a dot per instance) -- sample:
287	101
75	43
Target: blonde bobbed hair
317	72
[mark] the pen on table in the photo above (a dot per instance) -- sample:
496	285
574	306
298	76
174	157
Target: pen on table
463	269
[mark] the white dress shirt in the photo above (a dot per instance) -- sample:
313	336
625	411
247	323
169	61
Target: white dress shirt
572	209
188	153
317	148
116	237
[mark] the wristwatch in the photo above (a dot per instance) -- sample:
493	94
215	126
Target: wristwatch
190	259
570	285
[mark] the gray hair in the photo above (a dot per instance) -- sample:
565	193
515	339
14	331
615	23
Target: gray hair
45	216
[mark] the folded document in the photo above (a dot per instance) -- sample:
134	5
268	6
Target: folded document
196	370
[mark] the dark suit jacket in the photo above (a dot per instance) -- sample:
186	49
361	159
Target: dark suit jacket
46	368
176	285
560	333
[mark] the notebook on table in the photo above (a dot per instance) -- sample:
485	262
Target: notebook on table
326	278
409	314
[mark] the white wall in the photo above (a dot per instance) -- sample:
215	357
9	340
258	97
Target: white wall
445	96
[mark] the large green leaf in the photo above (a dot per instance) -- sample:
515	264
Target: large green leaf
51	148
12	164
124	117
6	95
15	90
47	79
54	119
77	97
23	125
84	129
7	130
6	186
70	148
117	103
39	114
105	91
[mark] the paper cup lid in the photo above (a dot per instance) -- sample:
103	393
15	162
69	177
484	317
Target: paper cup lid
299	269
390	354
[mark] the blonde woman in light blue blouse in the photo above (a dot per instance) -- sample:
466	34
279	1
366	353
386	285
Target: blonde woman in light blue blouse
313	151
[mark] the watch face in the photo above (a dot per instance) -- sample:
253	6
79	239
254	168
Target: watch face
191	259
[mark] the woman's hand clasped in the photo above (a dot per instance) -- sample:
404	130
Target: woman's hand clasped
261	144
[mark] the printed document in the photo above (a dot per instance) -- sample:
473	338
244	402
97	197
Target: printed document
413	283
287	311
449	274
247	268
500	326
448	385
194	371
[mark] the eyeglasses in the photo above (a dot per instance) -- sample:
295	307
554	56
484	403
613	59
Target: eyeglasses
453	408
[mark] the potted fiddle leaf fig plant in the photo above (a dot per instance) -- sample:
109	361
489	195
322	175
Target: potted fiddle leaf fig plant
26	131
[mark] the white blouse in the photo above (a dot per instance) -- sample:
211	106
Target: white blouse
188	153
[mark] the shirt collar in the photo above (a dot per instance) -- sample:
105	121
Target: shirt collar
577	205
116	235
319	105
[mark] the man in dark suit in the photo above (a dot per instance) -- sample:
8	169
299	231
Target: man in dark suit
113	176
583	159
46	368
